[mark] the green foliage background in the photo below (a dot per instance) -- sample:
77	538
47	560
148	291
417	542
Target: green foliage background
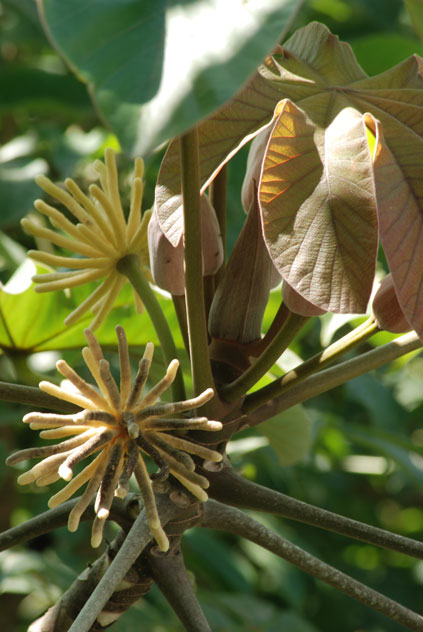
365	451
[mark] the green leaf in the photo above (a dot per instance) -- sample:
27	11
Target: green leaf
318	207
24	88
34	322
415	9
156	68
289	434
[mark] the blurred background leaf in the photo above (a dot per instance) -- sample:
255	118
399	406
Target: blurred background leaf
366	438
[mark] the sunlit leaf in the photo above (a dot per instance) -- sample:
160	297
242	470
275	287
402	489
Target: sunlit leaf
318	206
320	75
156	68
401	220
34	322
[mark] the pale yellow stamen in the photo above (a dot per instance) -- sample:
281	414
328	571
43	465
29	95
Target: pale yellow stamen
73	398
125	367
193	448
95	212
144	483
56	238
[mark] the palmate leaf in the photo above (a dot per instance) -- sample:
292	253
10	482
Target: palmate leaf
156	68
320	75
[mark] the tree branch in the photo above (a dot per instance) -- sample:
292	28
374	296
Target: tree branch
218	516
135	542
230	488
170	575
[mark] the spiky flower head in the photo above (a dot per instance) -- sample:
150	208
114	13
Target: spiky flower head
100	238
117	425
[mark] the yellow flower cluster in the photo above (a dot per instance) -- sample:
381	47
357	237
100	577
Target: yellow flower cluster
118	424
100	238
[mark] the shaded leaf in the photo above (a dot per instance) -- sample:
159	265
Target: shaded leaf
156	68
289	434
318	205
400	212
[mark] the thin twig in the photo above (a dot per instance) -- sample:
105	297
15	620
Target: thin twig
330	378
314	364
218	516
230	488
171	576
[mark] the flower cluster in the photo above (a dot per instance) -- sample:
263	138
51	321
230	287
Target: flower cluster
100	238
117	425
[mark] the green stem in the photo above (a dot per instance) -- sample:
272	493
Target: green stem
130	267
218	200
330	378
181	315
231	392
316	363
196	315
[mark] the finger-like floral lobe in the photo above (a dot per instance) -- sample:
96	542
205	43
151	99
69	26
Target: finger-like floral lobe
116	426
99	236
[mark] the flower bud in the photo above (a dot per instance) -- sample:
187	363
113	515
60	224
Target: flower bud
166	262
387	310
297	303
254	164
238	305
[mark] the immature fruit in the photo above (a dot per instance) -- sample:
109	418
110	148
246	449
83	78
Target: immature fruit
387	310
297	303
